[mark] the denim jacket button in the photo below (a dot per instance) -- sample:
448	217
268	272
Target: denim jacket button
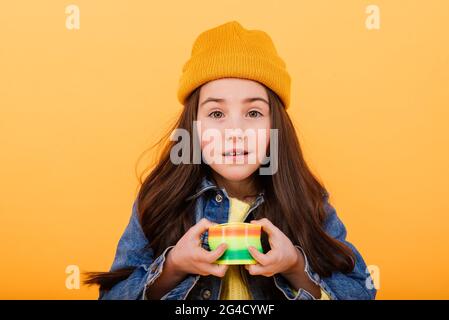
206	294
218	197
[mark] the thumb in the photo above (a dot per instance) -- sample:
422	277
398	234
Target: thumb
219	270
217	253
202	226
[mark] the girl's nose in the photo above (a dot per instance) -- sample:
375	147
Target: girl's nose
235	138
236	122
236	129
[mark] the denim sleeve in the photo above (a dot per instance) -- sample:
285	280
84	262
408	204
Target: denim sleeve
132	252
356	285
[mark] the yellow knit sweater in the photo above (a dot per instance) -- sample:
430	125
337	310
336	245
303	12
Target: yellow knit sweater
233	287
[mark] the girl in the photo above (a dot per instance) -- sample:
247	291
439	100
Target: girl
235	90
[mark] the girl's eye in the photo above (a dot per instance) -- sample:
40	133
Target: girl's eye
216	114
254	114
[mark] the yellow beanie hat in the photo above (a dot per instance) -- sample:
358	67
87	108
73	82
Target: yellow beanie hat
230	51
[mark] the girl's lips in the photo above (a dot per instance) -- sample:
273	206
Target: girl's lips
234	153
236	158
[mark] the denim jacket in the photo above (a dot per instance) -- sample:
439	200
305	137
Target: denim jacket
212	203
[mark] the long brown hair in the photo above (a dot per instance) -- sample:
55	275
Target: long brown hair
293	199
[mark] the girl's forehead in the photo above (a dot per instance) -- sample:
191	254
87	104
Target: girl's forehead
232	89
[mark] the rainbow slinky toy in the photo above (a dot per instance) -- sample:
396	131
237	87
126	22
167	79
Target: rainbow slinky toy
238	236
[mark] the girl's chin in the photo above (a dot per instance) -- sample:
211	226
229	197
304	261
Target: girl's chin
235	172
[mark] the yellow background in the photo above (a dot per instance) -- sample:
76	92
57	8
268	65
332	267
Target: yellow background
78	107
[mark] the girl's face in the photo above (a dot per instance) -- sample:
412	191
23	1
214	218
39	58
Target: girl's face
233	126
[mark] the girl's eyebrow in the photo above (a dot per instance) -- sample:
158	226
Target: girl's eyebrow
219	100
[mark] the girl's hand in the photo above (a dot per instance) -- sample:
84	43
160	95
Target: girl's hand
283	257
187	256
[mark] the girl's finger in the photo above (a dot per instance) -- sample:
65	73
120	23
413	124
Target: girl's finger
200	227
218	270
213	255
261	258
255	269
267	226
203	268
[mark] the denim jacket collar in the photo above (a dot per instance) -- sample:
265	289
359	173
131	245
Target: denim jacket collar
204	185
207	184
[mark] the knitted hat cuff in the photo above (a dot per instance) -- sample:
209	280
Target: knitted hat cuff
211	67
